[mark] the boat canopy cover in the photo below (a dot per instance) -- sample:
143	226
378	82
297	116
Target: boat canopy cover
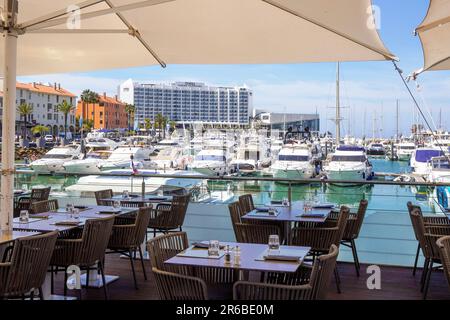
434	33
192	32
427	154
350	148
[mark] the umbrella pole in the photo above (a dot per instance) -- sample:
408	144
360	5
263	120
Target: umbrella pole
9	122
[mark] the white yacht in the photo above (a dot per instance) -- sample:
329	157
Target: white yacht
121	158
421	157
440	170
97	150
252	154
120	180
294	162
171	158
405	150
53	161
349	163
211	162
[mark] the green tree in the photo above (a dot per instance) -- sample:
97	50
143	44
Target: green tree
87	97
39	130
25	110
159	122
147	124
65	108
130	110
88	125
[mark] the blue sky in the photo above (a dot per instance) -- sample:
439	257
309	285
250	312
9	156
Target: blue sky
367	87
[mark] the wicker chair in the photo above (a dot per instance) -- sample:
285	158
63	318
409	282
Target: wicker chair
427	236
169	217
315	289
246	203
237	210
104	194
37	194
430	220
44	206
444	252
256	233
169	245
173	286
352	229
27	268
127	238
86	250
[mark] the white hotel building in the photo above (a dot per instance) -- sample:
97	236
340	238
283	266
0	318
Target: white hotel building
188	102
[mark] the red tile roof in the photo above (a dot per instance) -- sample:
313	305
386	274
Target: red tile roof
41	88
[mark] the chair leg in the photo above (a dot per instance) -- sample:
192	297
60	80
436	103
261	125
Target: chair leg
41	294
132	268
142	263
87	277
65	282
102	271
337	280
52	281
427	280
355	256
416	260
424	274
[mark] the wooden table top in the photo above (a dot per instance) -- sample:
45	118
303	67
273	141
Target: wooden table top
249	254
48	225
9	236
290	214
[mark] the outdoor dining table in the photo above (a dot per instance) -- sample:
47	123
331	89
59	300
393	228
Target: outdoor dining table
47	222
142	200
251	259
10	236
289	214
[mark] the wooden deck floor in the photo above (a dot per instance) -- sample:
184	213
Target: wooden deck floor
396	284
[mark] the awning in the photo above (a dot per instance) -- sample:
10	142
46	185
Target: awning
434	33
195	32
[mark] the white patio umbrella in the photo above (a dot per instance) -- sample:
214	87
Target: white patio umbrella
434	34
49	36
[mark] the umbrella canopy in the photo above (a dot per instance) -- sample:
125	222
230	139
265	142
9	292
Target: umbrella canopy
434	33
195	32
50	36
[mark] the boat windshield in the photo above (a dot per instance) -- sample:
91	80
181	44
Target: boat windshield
285	157
349	158
57	156
406	147
209	157
441	165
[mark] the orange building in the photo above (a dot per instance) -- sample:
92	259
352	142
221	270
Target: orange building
108	113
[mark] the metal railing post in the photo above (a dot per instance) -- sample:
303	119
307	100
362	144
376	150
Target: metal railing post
290	193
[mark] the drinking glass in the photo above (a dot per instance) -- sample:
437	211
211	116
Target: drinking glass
116	204
76	213
160	192
213	248
274	244
125	194
285	202
69	208
24	187
24	216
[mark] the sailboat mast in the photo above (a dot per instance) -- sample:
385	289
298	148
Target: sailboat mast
396	127
338	108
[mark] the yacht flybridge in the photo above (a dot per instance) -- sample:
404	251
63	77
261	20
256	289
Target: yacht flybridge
294	162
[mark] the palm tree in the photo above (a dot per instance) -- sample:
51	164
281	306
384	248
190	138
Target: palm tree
65	108
25	110
147	124
159	120
88	125
40	130
87	97
130	110
172	125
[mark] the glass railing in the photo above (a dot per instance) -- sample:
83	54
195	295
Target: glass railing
386	236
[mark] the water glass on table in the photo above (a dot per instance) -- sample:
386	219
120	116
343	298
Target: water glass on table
24	216
116	204
69	208
274	244
125	194
76	213
213	248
